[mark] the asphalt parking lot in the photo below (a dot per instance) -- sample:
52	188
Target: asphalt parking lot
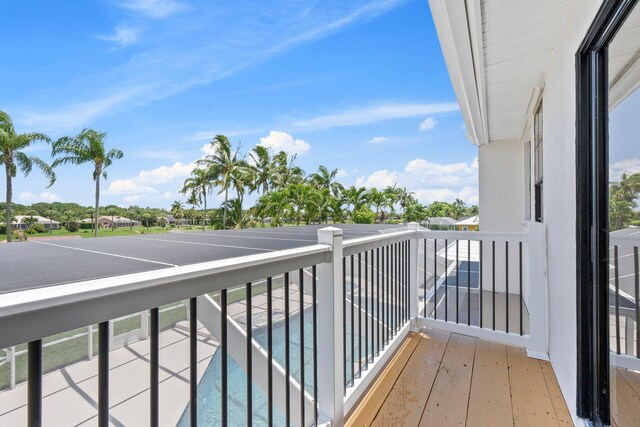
37	264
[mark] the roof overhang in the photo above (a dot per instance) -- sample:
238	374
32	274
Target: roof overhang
459	28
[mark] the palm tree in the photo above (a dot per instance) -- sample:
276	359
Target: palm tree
14	158
285	172
355	197
263	168
87	147
52	214
177	210
274	204
325	178
198	186
378	200
227	169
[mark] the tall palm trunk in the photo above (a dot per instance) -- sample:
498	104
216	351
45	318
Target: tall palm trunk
204	217
97	207
8	204
224	217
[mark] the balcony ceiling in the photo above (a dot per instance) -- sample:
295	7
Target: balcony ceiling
624	60
497	53
518	38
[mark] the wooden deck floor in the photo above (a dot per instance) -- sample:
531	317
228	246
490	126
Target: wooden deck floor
442	379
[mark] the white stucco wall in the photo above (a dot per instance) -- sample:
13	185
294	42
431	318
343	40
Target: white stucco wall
501	178
559	195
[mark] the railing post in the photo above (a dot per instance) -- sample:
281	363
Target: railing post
144	325
414	303
12	367
330	329
538	312
90	342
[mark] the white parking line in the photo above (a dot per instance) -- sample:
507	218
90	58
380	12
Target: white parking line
197	243
104	253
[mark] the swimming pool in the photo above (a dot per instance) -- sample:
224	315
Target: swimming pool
209	396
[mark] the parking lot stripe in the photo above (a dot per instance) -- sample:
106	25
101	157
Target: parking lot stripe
252	237
105	253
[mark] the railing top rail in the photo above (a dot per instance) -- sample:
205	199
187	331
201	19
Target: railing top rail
353	246
474	235
37	313
624	240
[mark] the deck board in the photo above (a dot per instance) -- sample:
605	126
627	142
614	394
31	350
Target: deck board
462	381
365	412
557	399
409	395
624	402
447	404
490	400
530	397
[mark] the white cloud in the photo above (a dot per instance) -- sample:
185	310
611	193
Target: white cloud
46	196
282	141
121	187
374	113
26	196
428	123
146	181
378	140
618	168
124	36
154	8
342	173
430	181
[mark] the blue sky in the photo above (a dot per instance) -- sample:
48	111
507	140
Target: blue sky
360	86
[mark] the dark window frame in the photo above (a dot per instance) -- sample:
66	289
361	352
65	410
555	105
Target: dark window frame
592	205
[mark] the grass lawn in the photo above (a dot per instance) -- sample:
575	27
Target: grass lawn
124	231
75	350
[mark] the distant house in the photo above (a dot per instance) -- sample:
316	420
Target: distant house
115	221
441	223
20	224
469	224
172	220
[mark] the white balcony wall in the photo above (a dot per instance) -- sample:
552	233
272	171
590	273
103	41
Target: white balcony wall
501	177
559	194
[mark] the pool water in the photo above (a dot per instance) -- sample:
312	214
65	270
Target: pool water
209	388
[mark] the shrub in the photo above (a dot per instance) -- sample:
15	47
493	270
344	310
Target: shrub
73	226
86	226
3	229
363	216
38	228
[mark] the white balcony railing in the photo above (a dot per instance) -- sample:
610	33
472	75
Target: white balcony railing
361	297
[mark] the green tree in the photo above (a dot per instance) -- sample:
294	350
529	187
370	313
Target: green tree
198	186
177	210
52	214
12	155
355	197
87	147
227	169
622	201
325	178
275	205
263	168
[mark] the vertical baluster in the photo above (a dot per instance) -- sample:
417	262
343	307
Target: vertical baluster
34	384
396	302
617	297
446	280
302	361
193	361
424	270
457	283
287	344
468	282
224	357
371	316
154	365
249	370
435	278
378	273
388	297
637	295
366	310
360	314
520	279
506	278
314	297
269	351
480	273
353	346
344	316
493	271
103	374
